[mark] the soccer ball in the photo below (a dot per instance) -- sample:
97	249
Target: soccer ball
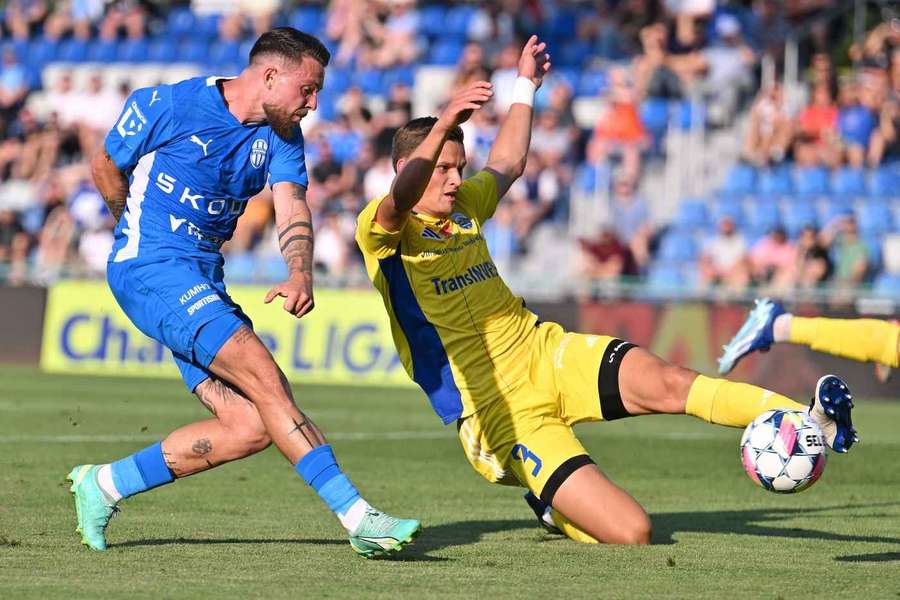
783	451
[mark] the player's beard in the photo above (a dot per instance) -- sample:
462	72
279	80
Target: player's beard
280	121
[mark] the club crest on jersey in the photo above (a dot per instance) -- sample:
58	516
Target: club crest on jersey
428	234
258	152
461	220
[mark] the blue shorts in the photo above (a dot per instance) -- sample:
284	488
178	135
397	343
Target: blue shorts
182	304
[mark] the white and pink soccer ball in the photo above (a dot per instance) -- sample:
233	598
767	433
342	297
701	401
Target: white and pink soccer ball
783	451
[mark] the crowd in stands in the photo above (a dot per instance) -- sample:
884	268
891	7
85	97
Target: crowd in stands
646	63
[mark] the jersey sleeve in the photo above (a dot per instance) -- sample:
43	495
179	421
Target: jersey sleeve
477	196
144	125
288	161
372	238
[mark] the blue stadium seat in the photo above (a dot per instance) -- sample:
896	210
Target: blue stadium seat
655	115
568	74
562	23
401	74
811	182
432	18
836	207
689	114
103	50
887	284
239	267
134	51
591	179
728	206
873	242
73	50
309	19
370	82
849	182
797	214
678	247
874	217
592	83
740	181
691	215
775	181
884	183
162	50
224	53
207	26
181	22
445	52
456	21
664	279
40	52
573	53
762	215
194	50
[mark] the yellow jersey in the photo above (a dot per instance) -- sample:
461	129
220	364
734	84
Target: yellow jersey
459	330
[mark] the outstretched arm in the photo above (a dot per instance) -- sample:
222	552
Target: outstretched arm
111	182
506	161
293	222
413	176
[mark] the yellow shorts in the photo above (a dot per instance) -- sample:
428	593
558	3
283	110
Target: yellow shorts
526	437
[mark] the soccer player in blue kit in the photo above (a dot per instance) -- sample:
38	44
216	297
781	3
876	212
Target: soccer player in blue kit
176	171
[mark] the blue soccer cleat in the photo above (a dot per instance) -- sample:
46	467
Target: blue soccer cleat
92	508
380	533
830	409
543	512
755	334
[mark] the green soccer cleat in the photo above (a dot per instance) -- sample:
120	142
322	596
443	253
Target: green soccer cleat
91	506
380	533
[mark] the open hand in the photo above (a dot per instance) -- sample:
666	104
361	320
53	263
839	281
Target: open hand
297	291
534	61
464	102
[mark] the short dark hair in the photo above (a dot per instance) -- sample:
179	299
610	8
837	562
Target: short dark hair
291	44
414	133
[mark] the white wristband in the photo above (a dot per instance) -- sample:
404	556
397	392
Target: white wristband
523	91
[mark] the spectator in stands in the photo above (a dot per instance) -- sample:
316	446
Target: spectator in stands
129	16
258	14
39	146
768	27
333	177
605	257
630	218
344	24
816	126
856	123
493	26
13	247
773	260
724	258
24	17
471	67
813	262
654	75
769	132
501	238
13	85
619	132
332	250
395	41
252	226
729	76
504	77
76	16
851	257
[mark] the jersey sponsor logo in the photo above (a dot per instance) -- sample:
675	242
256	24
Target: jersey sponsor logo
472	275
132	121
462	220
193	291
175	223
154	98
202	302
431	235
521	452
166	183
258	152
200	143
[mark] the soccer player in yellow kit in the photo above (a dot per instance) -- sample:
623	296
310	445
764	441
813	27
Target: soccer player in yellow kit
515	385
862	340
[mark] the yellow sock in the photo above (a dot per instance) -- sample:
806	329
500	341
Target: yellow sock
571	529
864	340
730	403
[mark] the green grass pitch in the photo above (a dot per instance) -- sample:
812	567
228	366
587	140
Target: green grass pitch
252	529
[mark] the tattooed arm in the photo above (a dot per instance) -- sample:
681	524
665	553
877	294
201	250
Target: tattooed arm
111	182
295	236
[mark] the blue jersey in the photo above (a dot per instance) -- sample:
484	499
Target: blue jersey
191	168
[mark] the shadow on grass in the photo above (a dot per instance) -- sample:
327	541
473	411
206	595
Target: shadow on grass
878	557
436	537
759	522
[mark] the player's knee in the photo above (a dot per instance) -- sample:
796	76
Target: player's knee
677	382
252	435
636	531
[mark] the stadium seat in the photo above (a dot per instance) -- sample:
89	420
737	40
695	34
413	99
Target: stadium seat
887	284
874	217
73	50
774	182
797	214
104	51
180	23
271	268
239	267
401	74
370	82
206	26
884	183
309	19
726	206
456	22
133	51
569	75
561	23
655	115
740	181
811	182
873	244
194	50
848	182
592	83
691	215
445	52
836	207
40	52
162	50
665	279
432	18
689	114
678	247
224	53
762	216
591	179
573	53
